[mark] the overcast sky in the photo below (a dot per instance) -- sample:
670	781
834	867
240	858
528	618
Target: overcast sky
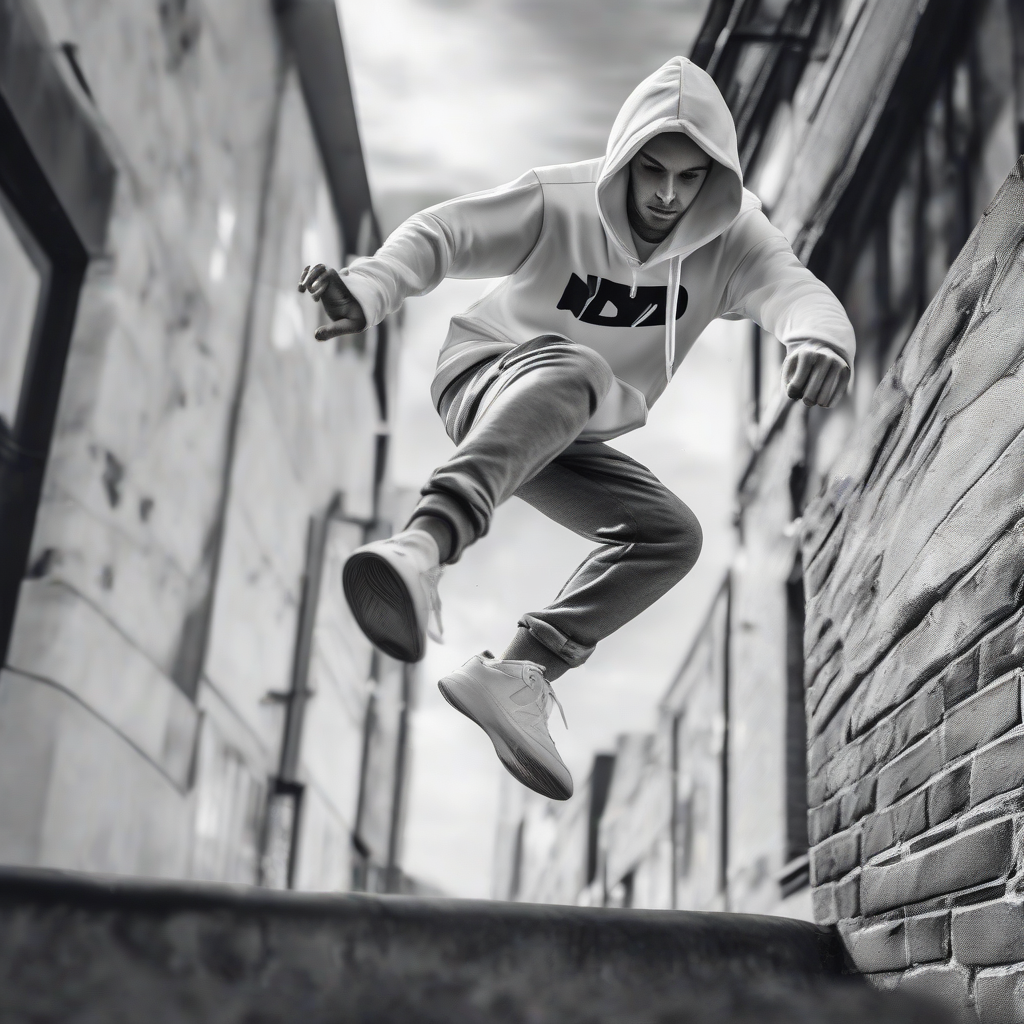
457	95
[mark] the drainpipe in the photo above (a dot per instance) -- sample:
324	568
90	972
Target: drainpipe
279	844
394	871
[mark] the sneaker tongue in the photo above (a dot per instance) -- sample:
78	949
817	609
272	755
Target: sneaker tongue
523	696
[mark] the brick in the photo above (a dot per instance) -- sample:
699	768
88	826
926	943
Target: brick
833	738
836	901
823	903
823	821
998	767
999	995
989	933
857	802
879	948
981	855
820	675
979	894
895	733
835	857
1001	651
963	898
948	984
983	717
846	767
847	896
927	938
960	679
822	657
932	837
898	944
817	791
894	825
911	769
907	723
984	595
997	807
949	794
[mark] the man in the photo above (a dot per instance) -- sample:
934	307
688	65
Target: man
612	268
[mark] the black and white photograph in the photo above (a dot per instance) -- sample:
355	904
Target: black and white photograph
512	511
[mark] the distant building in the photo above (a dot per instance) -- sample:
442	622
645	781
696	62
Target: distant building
875	133
182	468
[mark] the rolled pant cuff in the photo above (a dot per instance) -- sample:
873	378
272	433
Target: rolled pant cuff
572	653
447	509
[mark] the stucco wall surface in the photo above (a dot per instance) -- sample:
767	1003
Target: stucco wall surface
200	427
914	642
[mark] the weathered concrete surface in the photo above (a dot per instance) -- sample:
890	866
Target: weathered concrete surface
197	416
914	557
81	949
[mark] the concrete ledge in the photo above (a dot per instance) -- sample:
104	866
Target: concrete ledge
80	948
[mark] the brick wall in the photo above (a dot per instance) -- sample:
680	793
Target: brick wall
914	556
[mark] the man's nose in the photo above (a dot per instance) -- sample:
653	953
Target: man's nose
667	191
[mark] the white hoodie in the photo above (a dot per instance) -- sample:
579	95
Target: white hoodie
560	238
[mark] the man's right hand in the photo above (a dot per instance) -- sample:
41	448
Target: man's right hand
326	285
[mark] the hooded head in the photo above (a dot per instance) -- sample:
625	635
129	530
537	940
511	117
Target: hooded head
678	97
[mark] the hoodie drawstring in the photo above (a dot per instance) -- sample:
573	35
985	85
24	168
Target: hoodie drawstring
632	291
671	305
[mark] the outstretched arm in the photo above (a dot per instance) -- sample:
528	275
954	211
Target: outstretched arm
486	234
772	287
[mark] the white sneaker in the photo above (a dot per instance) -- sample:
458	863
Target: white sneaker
391	587
511	702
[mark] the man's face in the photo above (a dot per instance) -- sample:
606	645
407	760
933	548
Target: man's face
664	179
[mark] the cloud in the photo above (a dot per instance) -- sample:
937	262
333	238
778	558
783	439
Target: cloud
455	95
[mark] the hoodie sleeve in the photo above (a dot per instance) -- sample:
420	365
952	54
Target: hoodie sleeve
485	234
770	286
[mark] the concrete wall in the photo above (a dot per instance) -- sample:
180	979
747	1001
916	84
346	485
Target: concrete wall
914	648
235	954
137	460
200	429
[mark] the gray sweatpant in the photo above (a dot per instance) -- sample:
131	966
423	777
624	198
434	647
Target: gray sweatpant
516	420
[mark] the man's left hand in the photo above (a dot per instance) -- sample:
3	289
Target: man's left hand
815	373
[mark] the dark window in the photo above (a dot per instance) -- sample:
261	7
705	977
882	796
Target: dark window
954	160
600	783
56	191
42	263
796	718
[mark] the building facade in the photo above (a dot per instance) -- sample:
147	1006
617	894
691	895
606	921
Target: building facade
915	646
876	133
182	468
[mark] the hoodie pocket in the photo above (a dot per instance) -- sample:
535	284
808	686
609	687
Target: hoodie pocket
623	409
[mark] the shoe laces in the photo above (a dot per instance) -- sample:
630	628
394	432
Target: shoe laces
547	694
431	578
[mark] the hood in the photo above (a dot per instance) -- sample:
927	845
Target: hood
678	97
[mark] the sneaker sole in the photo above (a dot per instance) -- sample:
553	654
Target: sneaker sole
383	606
519	761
